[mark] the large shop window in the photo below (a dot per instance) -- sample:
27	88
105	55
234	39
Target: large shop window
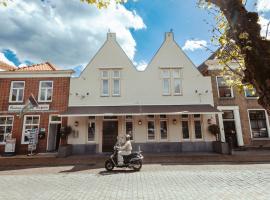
16	91
110	83
45	91
185	128
171	81
258	123
91	129
31	122
198	126
224	90
151	127
163	127
129	126
6	123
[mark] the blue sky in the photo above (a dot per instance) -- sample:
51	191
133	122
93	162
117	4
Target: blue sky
68	34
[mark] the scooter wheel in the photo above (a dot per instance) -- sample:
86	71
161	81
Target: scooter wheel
109	165
137	165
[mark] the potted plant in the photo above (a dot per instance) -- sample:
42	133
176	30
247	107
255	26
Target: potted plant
214	129
65	149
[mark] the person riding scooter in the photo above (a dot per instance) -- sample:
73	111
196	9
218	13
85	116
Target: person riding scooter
124	150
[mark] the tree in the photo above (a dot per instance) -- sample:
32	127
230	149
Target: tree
241	42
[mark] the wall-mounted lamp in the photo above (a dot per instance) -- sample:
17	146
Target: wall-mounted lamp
140	122
76	123
174	121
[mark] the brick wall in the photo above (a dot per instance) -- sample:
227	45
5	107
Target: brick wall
58	105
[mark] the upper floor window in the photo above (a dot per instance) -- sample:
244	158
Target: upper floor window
45	91
171	81
110	83
16	91
6	123
258	123
224	91
250	92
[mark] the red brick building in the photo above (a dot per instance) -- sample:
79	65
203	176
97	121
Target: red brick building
50	87
242	115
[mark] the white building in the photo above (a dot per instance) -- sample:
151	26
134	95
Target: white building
167	107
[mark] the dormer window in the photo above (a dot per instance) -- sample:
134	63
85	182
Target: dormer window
110	83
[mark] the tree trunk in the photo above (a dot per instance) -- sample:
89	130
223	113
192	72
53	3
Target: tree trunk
257	60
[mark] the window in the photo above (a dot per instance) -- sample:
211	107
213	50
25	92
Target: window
250	92
228	114
45	91
163	130
129	126
258	124
185	130
224	91
91	130
151	129
6	123
113	78
171	81
16	91
105	83
30	122
116	83
198	129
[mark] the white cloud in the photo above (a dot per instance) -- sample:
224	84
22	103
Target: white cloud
264	23
4	59
141	65
66	33
193	45
263	5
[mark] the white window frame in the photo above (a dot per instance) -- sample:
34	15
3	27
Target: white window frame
5	125
189	130
102	78
232	94
155	128
11	91
167	122
267	124
92	120
46	96
171	78
113	86
24	125
200	119
132	121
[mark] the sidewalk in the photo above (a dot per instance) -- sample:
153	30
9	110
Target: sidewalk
97	160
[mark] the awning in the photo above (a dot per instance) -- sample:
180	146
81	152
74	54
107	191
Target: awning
139	110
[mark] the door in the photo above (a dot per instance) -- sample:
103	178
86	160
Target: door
110	133
230	131
54	137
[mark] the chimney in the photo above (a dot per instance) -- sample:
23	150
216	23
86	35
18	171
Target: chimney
111	36
169	35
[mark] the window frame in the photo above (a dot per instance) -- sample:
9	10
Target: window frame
5	125
132	121
102	78
147	128
267	124
252	97
188	123
198	119
171	79
24	125
92	120
11	91
167	125
231	88
39	91
113	78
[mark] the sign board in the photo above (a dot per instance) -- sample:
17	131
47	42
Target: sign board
33	139
18	108
10	146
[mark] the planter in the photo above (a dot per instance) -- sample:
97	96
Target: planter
221	147
64	151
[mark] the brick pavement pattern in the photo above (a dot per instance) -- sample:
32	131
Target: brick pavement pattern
153	182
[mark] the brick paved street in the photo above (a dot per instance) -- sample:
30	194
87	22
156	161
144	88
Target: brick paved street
153	182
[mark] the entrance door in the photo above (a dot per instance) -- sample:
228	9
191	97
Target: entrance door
54	137
110	133
230	131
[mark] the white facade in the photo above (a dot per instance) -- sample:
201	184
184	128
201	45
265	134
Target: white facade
141	88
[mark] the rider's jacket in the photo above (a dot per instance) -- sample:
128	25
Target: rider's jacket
127	146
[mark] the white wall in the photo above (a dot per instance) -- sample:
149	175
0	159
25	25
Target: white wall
139	88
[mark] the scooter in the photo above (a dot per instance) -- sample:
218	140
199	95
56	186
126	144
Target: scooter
134	160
